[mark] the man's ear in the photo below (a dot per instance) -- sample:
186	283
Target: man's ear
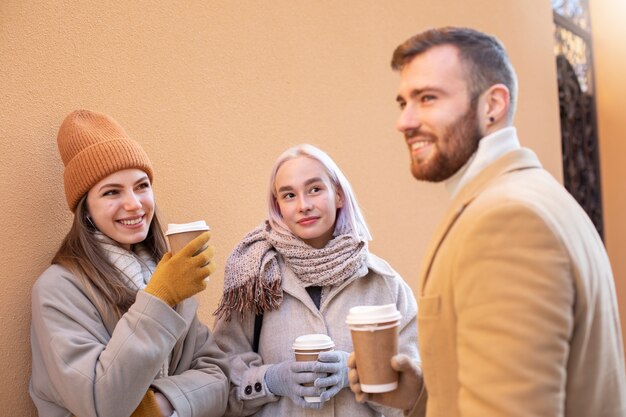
495	103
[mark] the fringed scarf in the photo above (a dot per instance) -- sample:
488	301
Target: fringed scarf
252	280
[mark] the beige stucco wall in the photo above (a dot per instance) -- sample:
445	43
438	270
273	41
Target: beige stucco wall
609	35
214	91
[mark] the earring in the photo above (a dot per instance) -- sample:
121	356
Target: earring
491	119
88	218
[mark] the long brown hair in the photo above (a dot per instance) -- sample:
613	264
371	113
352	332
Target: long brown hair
81	253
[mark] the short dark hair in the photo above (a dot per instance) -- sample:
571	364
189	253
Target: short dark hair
485	57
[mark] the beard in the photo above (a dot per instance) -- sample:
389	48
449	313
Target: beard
452	150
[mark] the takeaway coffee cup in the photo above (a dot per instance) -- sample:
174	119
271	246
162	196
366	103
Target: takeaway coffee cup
374	332
180	234
307	348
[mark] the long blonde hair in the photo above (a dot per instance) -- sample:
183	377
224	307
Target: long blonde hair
81	254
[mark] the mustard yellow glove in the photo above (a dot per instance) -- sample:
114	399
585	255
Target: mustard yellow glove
180	276
148	406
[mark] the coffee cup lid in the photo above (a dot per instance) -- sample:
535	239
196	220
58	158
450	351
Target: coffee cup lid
173	228
313	342
373	314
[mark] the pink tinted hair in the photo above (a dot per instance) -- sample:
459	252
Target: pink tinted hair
350	220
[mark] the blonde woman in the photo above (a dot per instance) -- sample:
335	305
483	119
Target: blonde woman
299	273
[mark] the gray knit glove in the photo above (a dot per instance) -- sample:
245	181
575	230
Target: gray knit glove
285	379
334	364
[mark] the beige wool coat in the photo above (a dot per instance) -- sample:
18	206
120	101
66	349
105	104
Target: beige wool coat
517	307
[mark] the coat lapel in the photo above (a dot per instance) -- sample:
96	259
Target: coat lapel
511	161
290	285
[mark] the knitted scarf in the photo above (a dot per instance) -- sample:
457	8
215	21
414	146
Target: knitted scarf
136	268
252	280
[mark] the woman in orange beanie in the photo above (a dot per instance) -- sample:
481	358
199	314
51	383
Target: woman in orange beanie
114	333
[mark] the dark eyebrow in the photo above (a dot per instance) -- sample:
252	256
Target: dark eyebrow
110	185
285	188
142	179
313	180
418	91
114	185
307	182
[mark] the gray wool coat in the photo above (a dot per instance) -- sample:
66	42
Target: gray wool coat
298	315
86	365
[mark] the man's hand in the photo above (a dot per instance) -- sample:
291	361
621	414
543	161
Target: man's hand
410	384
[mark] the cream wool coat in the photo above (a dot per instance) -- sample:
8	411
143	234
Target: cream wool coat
518	312
82	367
298	315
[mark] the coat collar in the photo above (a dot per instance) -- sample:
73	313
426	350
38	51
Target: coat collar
516	160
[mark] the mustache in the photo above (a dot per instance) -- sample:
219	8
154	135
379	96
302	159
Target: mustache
413	133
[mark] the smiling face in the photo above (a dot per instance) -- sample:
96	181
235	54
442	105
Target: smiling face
307	200
438	118
122	206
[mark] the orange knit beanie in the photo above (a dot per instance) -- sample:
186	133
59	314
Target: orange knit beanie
92	146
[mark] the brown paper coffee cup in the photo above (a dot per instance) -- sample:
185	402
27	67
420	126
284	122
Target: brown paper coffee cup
309	355
179	235
308	348
374	331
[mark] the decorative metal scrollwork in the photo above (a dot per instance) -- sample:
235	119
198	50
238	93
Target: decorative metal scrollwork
579	139
581	173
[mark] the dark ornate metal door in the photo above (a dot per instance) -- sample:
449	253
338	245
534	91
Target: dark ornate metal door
579	138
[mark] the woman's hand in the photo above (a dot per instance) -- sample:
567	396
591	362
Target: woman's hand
178	277
287	379
333	363
164	405
153	404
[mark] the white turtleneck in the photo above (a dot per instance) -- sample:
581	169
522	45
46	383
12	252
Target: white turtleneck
490	148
